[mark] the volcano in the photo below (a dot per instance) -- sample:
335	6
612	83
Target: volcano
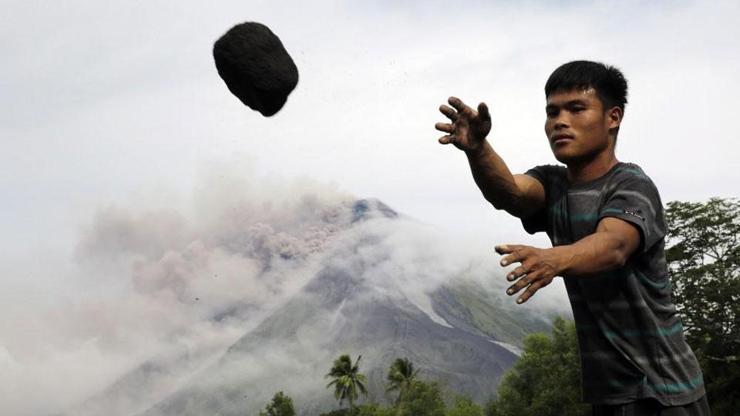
371	293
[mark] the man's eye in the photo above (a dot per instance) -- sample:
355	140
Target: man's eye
577	109
551	113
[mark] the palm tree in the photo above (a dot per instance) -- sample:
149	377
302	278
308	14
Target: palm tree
400	377
347	380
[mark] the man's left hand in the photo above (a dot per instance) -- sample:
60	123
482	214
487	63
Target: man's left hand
537	269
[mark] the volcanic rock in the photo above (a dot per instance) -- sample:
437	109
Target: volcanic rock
255	67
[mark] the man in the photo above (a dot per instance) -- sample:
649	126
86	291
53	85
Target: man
605	221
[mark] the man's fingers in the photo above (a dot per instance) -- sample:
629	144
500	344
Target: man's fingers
447	139
526	280
511	258
515	256
534	287
483	111
507	248
519	285
445	127
460	106
531	290
448	111
517	273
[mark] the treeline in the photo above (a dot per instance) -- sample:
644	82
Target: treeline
544	381
413	396
704	259
703	254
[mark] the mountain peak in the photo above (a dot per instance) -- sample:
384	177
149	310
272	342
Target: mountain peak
364	209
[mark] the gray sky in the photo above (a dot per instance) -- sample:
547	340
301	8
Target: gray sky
119	103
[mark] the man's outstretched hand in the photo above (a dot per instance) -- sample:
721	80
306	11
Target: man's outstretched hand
537	269
468	129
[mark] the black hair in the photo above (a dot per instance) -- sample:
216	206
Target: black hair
608	81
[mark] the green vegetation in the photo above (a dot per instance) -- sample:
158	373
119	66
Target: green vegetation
422	399
281	405
347	380
704	257
546	380
415	397
463	406
401	376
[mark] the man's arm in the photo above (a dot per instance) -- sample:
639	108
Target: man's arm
519	195
614	241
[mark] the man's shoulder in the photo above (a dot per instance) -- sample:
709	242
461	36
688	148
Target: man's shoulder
628	169
549	173
631	175
550	168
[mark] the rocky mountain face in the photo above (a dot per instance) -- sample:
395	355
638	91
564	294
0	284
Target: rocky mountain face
374	291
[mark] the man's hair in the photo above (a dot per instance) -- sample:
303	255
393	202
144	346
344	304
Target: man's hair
608	81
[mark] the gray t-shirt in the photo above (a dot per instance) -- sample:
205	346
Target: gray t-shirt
630	336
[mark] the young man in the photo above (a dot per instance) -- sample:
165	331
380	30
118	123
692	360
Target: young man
605	220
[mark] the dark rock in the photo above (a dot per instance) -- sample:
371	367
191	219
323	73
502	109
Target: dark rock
256	67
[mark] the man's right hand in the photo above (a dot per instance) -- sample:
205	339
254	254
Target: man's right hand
468	129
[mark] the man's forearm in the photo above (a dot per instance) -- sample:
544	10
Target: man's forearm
596	253
494	179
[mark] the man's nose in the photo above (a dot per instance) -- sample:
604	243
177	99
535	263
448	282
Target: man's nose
561	123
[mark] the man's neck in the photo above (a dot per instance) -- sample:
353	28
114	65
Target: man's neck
592	169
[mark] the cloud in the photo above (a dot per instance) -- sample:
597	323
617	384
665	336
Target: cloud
169	275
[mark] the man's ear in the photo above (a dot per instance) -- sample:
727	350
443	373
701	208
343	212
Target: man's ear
614	116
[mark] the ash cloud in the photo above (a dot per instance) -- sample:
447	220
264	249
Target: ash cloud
164	277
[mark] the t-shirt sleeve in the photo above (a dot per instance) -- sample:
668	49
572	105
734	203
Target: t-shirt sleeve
537	222
635	199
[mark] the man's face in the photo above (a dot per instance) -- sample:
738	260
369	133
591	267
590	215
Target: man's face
577	125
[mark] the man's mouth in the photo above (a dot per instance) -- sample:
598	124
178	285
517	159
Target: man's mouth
561	138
